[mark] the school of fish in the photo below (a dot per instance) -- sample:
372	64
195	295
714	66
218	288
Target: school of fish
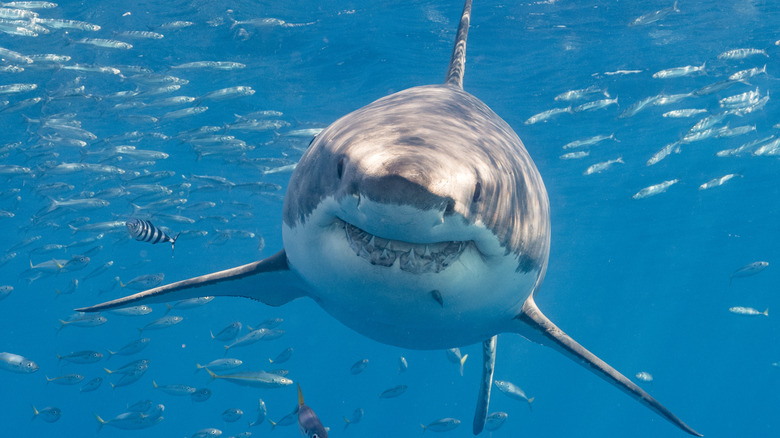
100	137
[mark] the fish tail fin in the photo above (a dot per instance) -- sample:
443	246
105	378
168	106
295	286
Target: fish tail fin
423	427
168	308
35	413
273	425
530	403
108	371
62	325
110	354
346	423
198	367
121	285
765	312
48	379
300	395
212	374
675	8
154	384
140	331
100	421
112	386
463	362
59	358
535	326
212	334
173	242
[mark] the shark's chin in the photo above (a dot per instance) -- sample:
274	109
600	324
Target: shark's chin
415	258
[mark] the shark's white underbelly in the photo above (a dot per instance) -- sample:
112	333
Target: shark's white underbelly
465	303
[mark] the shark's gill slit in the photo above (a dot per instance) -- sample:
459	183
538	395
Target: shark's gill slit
417	258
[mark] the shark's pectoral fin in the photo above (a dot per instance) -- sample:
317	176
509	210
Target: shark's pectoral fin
483	401
538	328
269	280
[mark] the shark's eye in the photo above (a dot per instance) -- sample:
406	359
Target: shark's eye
340	168
477	193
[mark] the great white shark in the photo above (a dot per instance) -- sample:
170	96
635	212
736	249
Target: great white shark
420	221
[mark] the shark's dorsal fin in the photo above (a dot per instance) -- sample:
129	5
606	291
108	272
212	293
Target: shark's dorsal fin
458	59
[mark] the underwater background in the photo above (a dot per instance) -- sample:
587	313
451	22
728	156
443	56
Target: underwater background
644	282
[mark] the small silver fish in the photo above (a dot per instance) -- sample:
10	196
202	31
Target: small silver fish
667	150
262	412
228	333
602	166
282	357
596	105
144	282
357	415
655	189
742	53
748	270
161	323
574	155
48	414
5	291
683	113
105	43
17	364
220	364
580	93
131	348
393	392
232	415
652	17
678	72
495	421
442	425
403	365
174	389
513	391
747	74
358	366
66	379
644	376
546	115
590	141
200	395
82	357
716	182
747	311
257	379
132	311
92	385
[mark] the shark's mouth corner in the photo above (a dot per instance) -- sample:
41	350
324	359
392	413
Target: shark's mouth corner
416	258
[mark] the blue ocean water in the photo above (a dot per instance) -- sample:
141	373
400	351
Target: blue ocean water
643	283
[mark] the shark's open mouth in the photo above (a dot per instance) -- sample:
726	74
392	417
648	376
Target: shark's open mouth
412	257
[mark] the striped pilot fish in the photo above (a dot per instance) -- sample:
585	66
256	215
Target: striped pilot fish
145	231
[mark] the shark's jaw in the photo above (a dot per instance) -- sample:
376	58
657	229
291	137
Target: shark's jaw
415	258
414	279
